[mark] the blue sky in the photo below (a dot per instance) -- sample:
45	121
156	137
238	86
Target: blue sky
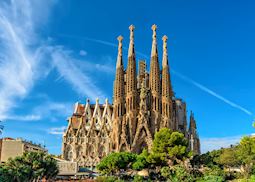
54	53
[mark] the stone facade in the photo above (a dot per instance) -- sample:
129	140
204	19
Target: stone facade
142	104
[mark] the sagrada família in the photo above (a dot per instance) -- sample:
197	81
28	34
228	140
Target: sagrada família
142	104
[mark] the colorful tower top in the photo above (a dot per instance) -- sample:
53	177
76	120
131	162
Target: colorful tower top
165	56
131	50
119	58
154	51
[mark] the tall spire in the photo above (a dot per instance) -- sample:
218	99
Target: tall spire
131	50
167	92
119	58
165	56
154	65
192	125
154	84
166	81
131	67
154	50
118	97
131	88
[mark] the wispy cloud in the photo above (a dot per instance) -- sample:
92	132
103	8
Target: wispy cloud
53	110
30	117
83	53
16	63
57	131
26	56
212	93
66	67
47	109
209	144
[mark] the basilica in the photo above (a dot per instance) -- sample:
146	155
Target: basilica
143	102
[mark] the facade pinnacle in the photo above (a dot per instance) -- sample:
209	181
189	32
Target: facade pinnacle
154	51
119	58
131	50
165	59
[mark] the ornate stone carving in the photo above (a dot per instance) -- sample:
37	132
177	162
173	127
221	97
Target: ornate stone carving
129	124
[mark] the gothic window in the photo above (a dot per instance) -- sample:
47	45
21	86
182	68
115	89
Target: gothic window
79	151
70	137
102	151
87	123
97	124
90	150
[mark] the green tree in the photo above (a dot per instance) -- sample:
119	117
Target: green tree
229	158
30	166
114	162
141	161
176	173
215	174
246	154
169	147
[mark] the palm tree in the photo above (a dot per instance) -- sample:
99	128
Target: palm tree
1	128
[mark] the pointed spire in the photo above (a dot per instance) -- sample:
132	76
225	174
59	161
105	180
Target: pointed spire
192	121
165	56
131	50
119	58
154	50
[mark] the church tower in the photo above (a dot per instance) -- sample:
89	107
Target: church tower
119	97
131	90
142	104
167	93
194	142
154	84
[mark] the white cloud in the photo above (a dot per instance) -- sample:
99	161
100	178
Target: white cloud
209	144
57	131
32	117
16	64
81	82
53	110
25	56
83	53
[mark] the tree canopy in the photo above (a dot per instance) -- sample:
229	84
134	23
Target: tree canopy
114	162
28	167
170	146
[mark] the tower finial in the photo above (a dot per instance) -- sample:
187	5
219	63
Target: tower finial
131	43
165	59
119	59
154	41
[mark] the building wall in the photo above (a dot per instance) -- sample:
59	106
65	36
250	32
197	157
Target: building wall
11	149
